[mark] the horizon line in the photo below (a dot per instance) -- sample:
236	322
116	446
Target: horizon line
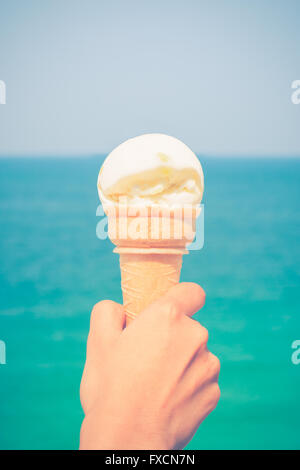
104	154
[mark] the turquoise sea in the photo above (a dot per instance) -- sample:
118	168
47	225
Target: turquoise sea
53	269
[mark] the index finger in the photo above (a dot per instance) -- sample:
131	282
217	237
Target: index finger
189	297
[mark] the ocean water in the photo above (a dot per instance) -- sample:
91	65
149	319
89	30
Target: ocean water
53	269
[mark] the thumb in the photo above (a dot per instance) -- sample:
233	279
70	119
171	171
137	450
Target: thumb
107	323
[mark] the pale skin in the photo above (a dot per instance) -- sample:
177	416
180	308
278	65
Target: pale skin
149	385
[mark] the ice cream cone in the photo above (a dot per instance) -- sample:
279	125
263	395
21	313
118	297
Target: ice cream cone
150	242
146	277
150	187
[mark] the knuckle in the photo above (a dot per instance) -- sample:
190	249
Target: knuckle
202	334
215	365
198	335
217	393
214	398
205	335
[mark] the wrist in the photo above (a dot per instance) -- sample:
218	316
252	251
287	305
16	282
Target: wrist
116	434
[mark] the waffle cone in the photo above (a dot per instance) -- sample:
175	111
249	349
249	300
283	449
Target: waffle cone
146	277
150	246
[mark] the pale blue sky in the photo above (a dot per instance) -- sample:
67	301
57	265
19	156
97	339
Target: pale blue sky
82	76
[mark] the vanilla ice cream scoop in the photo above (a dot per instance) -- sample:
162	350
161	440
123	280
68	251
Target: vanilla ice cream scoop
151	169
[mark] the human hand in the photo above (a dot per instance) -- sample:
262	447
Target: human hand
150	385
